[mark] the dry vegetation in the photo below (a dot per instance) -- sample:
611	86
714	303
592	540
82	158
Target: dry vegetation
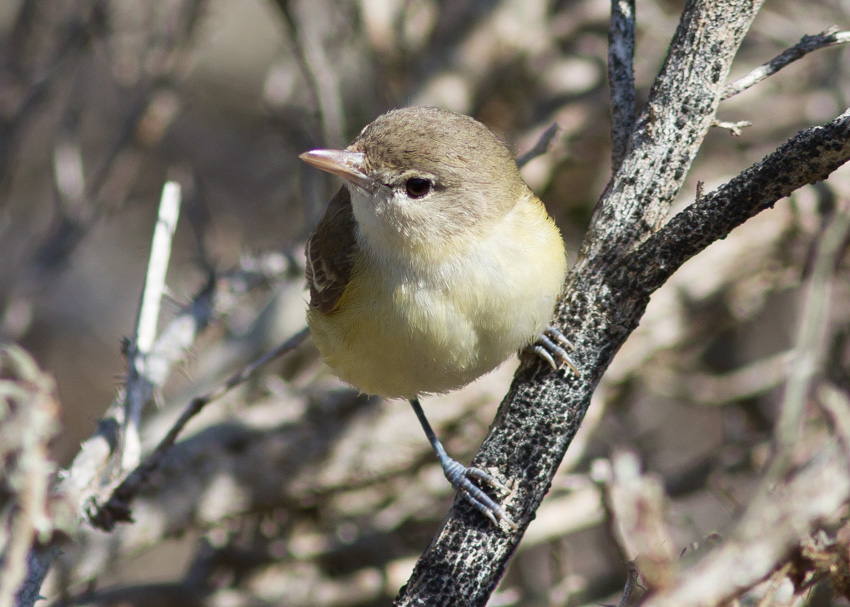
293	490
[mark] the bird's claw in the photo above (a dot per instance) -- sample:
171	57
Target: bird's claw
461	476
552	347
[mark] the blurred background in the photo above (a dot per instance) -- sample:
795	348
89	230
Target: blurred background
295	490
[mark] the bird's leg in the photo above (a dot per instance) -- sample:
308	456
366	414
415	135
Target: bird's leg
552	347
460	476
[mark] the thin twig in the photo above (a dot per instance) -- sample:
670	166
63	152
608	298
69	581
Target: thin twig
539	148
621	77
733	127
142	377
631	583
807	44
117	508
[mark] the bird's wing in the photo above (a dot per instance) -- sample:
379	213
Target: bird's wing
330	253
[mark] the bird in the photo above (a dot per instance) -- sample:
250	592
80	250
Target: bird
432	264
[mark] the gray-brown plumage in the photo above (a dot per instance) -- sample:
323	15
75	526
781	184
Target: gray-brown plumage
330	252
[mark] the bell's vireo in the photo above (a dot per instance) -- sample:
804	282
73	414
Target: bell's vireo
431	266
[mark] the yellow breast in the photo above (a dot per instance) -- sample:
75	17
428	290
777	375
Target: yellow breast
407	329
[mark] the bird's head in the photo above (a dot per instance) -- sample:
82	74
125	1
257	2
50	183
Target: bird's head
424	177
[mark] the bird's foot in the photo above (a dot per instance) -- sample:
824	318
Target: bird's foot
552	347
461	477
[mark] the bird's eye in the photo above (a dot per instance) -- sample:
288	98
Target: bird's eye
417	187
